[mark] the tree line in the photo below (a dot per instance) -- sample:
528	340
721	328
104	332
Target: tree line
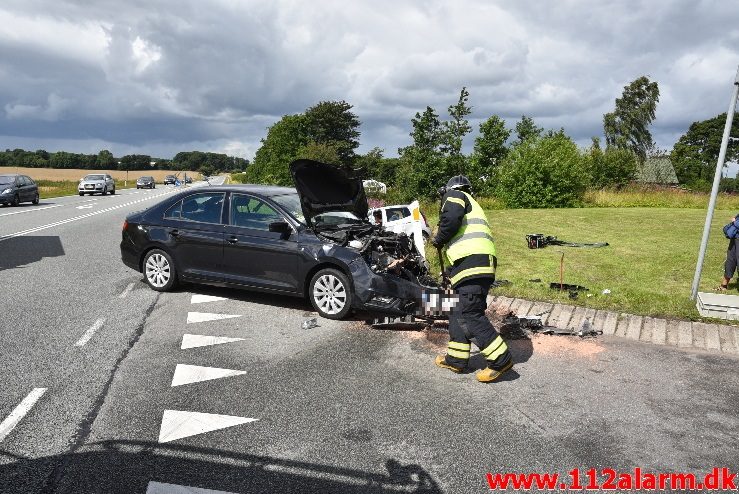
196	161
526	166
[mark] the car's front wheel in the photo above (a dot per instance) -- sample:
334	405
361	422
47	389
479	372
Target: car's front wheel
112	192
36	199
159	270
16	200
330	293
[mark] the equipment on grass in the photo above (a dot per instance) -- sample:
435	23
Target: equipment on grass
539	241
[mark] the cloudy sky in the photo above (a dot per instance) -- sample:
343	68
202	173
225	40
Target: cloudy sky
158	77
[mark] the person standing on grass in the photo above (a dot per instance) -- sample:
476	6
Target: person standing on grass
731	231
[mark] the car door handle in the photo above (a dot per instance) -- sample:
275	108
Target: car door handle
232	240
174	233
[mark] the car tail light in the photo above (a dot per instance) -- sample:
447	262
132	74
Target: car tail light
125	225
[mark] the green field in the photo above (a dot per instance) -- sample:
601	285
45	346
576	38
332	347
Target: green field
648	266
59	188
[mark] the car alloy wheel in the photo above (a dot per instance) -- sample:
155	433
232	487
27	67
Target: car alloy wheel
112	192
159	271
36	199
105	191
331	294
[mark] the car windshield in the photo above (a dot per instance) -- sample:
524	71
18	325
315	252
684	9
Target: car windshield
147	178
336	218
291	204
6	179
94	177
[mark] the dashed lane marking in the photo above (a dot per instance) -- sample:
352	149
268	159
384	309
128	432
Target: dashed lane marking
128	289
178	424
162	488
197	340
77	218
188	374
31	210
86	206
90	332
193	317
199	299
20	411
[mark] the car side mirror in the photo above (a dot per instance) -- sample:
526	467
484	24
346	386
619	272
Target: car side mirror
280	227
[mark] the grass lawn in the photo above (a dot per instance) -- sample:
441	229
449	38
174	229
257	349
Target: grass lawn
648	266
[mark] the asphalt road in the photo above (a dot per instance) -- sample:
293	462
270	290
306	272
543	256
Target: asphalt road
227	393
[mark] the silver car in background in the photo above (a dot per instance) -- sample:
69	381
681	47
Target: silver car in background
96	183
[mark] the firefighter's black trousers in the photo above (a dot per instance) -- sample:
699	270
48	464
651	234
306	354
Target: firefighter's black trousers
467	321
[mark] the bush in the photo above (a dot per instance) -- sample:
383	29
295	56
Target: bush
240	178
613	167
546	172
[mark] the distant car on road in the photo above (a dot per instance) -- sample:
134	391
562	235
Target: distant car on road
96	183
373	186
15	189
188	179
170	180
400	219
145	183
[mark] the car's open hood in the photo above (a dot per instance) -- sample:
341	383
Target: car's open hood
323	188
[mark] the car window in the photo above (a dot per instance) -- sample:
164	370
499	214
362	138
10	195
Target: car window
174	210
6	180
395	214
250	212
108	177
21	180
29	181
204	208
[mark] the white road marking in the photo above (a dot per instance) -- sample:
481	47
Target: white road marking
162	488
177	424
76	218
199	299
90	332
188	374
88	206
127	290
20	411
32	210
196	340
193	317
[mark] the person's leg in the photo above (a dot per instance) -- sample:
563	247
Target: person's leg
730	264
458	350
478	326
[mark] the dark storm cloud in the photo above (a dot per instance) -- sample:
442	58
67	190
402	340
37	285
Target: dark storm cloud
158	77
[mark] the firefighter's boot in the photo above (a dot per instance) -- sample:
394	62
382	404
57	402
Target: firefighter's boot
441	362
489	375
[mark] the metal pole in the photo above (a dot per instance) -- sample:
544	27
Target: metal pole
714	190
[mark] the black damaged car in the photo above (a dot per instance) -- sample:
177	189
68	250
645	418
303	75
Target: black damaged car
312	241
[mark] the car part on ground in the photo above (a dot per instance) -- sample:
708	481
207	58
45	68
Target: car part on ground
539	241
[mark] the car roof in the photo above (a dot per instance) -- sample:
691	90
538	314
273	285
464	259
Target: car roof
262	190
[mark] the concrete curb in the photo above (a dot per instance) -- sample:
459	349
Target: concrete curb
717	338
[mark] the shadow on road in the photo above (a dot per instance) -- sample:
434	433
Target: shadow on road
142	467
21	251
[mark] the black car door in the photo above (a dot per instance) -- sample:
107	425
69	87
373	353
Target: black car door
194	229
23	189
254	255
31	189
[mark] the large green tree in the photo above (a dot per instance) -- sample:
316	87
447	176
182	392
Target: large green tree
695	154
333	124
526	129
453	132
627	127
105	160
422	170
135	162
489	150
279	148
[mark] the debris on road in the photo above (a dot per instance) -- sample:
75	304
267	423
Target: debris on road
310	323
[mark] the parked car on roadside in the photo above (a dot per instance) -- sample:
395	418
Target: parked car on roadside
188	179
311	241
96	183
170	180
145	183
400	219
15	189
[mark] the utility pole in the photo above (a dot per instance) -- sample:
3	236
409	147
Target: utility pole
714	190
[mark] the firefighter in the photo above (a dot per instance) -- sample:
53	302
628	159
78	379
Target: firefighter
470	251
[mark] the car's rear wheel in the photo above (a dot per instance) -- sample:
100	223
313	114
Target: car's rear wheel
159	270
36	199
330	293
